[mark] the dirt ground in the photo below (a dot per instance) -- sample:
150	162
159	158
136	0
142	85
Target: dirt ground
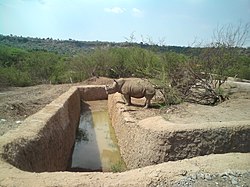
237	108
17	103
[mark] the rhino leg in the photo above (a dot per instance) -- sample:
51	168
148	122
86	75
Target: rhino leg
148	99
127	99
147	103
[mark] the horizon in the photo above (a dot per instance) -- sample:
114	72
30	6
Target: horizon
170	23
71	39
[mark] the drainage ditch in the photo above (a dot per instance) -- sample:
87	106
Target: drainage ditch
96	146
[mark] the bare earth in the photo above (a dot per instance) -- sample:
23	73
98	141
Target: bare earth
18	103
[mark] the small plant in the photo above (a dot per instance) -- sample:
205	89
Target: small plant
222	95
118	167
159	105
220	91
172	96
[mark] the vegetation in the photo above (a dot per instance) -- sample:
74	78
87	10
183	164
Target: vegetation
72	47
181	73
118	167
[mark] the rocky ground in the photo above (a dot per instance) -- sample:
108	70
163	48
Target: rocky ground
17	103
230	178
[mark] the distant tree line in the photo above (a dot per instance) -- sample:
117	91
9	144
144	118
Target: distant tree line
73	47
178	71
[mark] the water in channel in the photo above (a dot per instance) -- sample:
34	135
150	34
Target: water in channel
96	146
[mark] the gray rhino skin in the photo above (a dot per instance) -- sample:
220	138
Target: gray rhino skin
132	87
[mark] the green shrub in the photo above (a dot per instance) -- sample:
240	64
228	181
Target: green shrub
14	77
118	167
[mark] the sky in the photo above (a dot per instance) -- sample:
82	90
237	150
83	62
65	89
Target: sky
168	22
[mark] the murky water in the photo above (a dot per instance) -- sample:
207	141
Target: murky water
96	146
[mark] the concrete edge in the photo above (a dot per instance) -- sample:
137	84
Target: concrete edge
154	140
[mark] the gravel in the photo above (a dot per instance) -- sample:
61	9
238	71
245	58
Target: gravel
228	179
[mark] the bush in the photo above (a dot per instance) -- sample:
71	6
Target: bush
118	167
13	77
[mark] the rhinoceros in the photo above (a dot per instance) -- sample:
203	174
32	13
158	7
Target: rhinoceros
132	87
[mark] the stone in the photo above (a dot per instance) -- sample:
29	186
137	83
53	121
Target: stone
234	181
208	176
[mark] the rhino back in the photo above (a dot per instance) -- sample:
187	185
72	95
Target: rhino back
137	88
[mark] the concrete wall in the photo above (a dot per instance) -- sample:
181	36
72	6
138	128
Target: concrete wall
155	140
92	92
45	140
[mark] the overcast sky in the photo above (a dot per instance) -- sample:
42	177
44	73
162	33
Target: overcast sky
174	22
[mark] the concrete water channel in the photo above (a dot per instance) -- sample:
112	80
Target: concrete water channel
96	146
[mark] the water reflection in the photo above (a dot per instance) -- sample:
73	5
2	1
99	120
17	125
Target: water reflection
96	145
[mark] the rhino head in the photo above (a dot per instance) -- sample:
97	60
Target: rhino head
112	89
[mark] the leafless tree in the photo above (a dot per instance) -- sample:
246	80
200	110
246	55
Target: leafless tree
210	69
231	35
131	38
